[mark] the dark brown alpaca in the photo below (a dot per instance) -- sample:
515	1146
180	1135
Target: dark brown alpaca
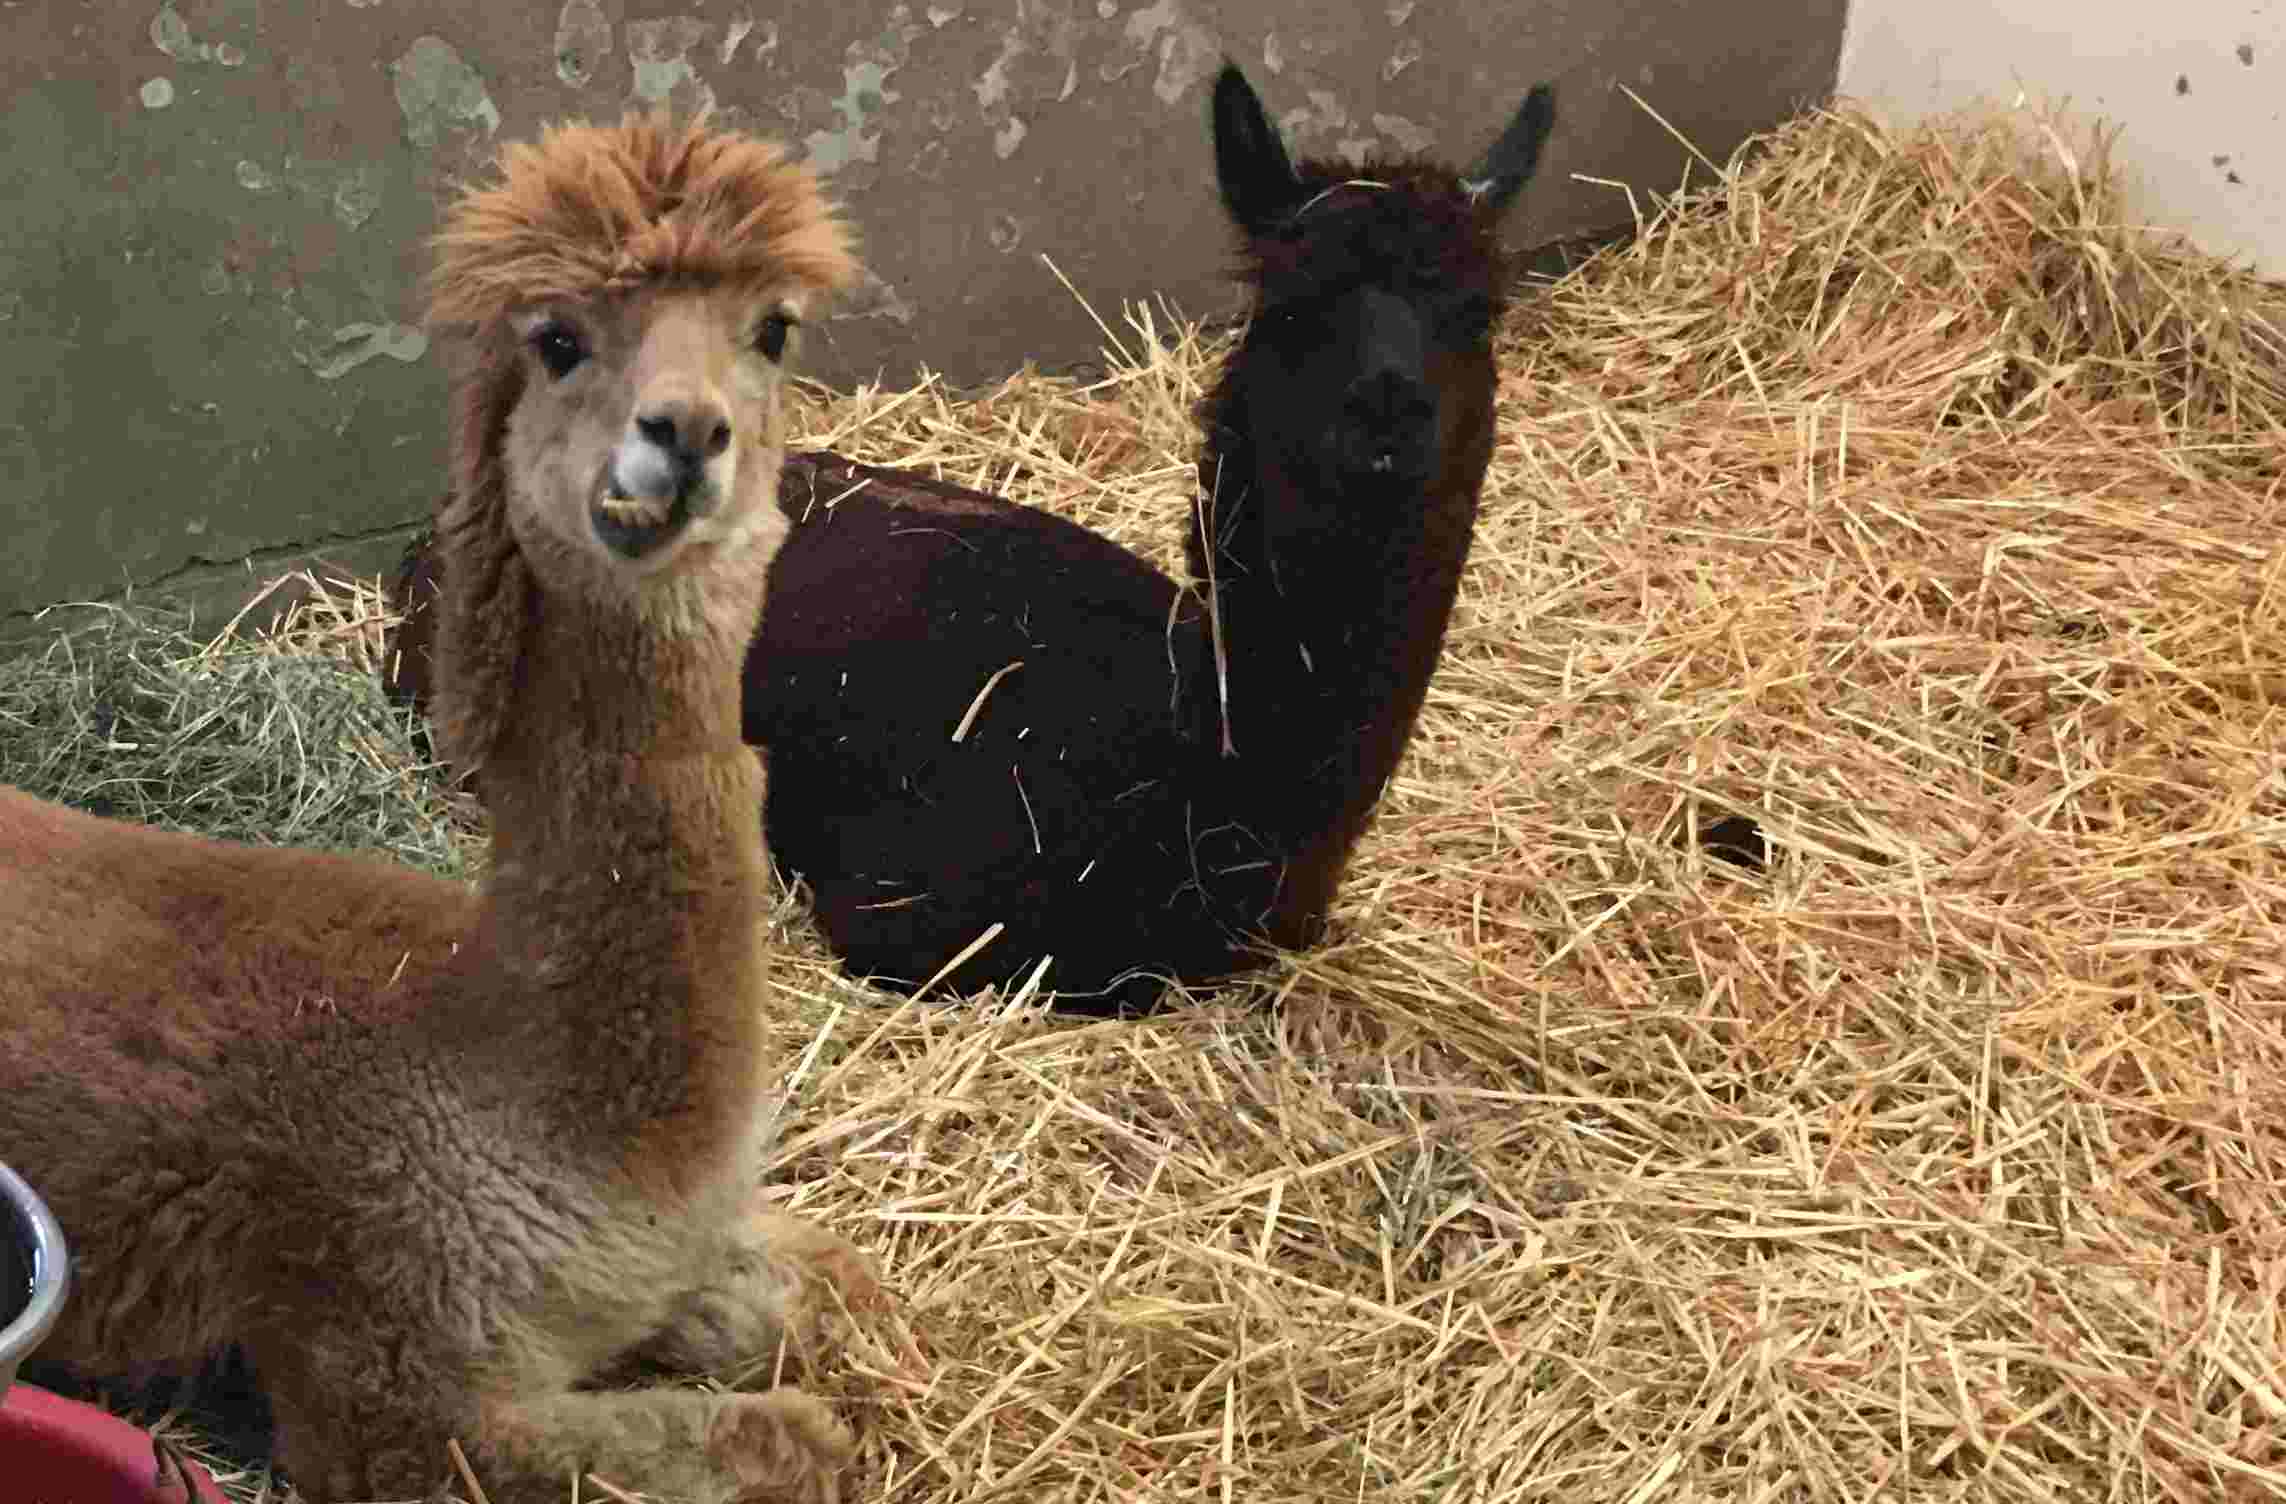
433	1157
1130	800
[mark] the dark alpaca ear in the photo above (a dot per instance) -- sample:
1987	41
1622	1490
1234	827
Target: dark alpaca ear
1250	162
484	608
1509	163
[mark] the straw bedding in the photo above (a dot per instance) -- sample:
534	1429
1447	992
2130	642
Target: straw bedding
1810	1020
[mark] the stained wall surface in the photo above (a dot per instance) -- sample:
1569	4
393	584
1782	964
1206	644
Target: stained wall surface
209	363
2197	89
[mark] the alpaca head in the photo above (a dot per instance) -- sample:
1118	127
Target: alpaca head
647	427
624	302
1366	371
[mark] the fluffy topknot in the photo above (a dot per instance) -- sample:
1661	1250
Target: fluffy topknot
593	209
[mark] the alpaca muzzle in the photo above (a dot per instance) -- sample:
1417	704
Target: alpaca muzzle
657	484
1388	417
1388	432
635	527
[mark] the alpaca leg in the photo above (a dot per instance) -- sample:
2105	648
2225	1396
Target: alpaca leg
374	1440
783	1284
779	1447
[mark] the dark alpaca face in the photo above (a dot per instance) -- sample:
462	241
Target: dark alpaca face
1360	387
1367	368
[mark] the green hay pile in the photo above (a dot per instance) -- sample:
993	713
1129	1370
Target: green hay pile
1810	1020
273	738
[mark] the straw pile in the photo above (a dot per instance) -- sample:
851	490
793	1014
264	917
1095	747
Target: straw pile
1810	1021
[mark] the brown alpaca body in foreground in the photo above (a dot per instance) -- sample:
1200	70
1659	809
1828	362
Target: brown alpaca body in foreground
1125	801
434	1157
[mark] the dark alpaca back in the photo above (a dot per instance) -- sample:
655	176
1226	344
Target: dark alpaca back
1171	776
1054	815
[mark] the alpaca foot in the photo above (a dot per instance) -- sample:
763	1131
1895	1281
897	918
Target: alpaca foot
778	1447
785	1284
782	1446
830	1274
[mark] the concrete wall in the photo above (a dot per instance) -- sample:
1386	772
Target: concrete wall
2197	86
216	206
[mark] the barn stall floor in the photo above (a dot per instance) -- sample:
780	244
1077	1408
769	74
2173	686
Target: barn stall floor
1810	1020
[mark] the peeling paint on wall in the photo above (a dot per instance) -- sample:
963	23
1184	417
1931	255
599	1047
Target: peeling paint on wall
157	94
1404	55
438	91
1038	65
351	194
875	299
660	51
732	35
1322	116
865	93
1273	56
862	94
352	345
1415	139
1325	116
991	85
171	35
1187	52
356	195
1040	59
583	40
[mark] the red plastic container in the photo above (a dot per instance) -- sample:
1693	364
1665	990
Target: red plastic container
54	1450
59	1451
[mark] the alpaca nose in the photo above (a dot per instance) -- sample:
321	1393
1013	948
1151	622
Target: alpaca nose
1390	402
692	430
1392	419
669	450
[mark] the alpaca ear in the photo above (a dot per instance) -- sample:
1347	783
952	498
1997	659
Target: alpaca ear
484	609
1250	162
1509	163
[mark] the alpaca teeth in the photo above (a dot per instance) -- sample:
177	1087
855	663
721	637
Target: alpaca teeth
634	511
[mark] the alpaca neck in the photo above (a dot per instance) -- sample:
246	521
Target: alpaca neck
1327	641
627	884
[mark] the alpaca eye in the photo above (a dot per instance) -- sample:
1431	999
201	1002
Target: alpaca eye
559	349
770	339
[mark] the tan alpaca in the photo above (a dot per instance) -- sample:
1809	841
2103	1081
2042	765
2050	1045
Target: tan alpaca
433	1157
